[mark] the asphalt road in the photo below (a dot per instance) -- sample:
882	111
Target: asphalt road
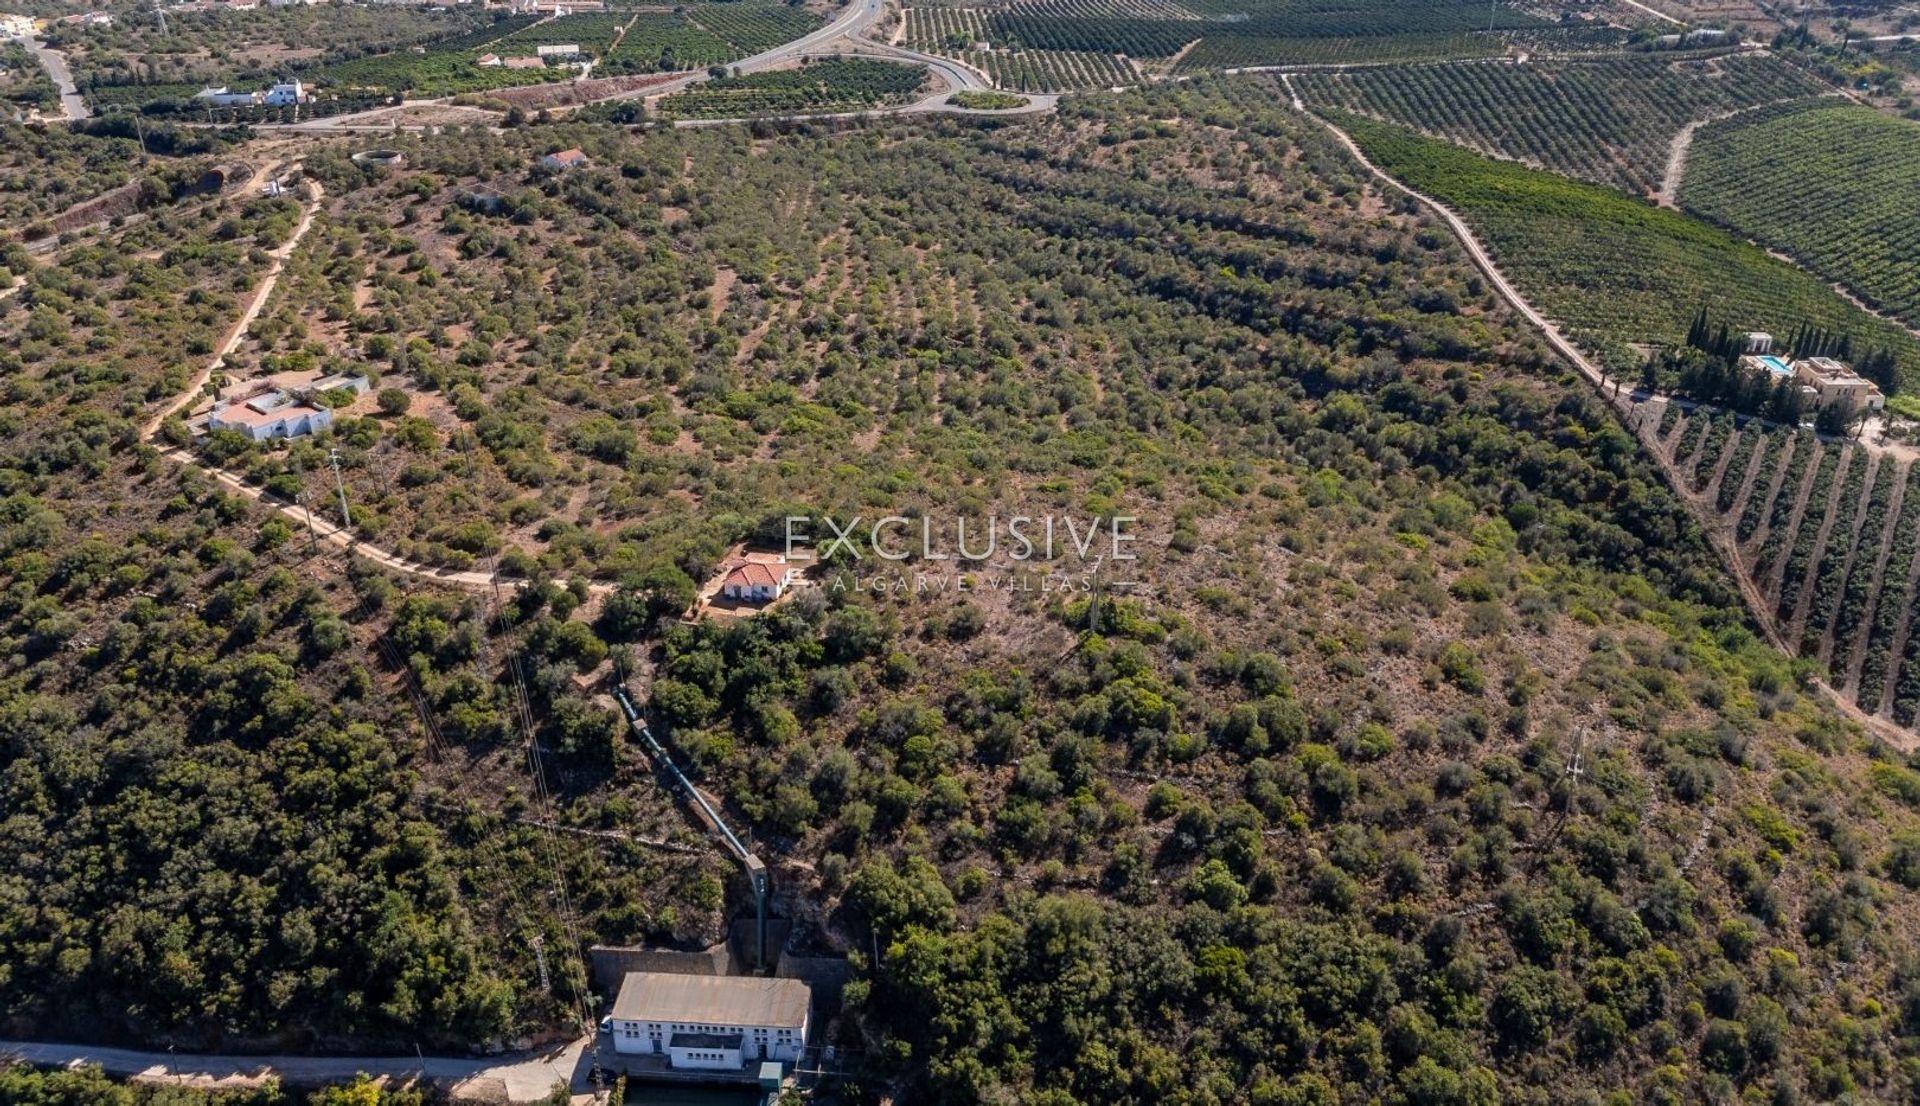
55	63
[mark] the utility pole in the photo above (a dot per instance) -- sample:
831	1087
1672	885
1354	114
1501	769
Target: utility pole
346	517
313	535
141	132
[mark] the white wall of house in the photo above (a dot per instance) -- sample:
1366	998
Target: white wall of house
757	1042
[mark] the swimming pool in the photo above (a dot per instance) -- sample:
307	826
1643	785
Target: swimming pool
1776	366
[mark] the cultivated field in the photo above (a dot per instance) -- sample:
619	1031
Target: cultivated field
1828	532
850	84
1606	119
1061	45
1616	271
1835	185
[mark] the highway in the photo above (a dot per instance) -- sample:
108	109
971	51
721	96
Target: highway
851	23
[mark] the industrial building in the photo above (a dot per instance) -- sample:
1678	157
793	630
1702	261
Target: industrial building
711	1022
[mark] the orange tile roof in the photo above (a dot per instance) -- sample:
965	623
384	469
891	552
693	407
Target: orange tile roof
754	574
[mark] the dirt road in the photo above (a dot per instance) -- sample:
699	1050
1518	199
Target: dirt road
523	1078
1717	532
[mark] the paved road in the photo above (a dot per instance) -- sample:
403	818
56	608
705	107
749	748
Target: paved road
851	23
844	34
55	63
525	1078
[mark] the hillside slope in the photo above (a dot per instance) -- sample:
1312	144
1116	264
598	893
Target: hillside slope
1433	758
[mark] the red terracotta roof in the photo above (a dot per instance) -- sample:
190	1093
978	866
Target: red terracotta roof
755	574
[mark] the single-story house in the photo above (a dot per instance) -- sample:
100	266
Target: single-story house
223	97
565	159
757	581
488	61
270	415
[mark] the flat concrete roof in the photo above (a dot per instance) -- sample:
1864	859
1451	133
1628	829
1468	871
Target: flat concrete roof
712	1000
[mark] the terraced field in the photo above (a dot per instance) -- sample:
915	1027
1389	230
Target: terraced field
1836	185
1827	530
1609	120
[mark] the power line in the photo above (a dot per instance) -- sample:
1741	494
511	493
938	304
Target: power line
569	921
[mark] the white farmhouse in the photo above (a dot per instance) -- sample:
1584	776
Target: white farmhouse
757	581
284	93
710	1022
269	415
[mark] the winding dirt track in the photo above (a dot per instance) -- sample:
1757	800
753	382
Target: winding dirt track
327	531
1718	533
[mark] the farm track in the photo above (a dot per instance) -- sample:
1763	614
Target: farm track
1751	548
1849	674
1896	650
1719	534
1823	651
1750	477
326	530
1810	572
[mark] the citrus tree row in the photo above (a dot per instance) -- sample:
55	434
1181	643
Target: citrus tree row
1750	445
848	84
1719	428
1833	184
1864	569
1847	542
1800	558
1754	512
1891	610
1607	120
1781	530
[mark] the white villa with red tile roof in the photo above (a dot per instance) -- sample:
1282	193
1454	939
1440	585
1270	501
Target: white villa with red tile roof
270	414
757	581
